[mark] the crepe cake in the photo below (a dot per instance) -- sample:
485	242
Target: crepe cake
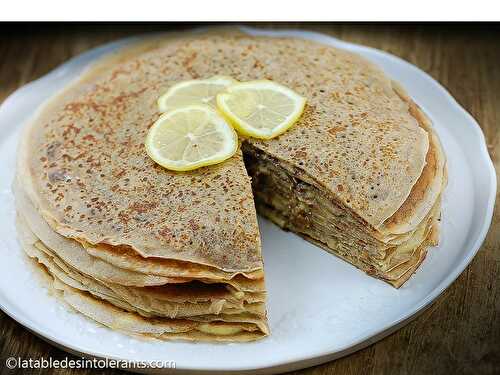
178	255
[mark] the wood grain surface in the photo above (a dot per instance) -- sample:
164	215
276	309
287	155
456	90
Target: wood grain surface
460	332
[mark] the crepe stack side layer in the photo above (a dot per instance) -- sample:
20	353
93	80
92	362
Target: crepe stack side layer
166	254
390	249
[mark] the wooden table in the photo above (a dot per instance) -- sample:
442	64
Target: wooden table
460	332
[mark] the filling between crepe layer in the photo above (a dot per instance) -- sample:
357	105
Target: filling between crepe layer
301	207
270	174
219	329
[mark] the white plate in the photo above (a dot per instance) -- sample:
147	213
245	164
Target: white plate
320	308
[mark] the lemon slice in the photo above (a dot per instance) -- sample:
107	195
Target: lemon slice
261	109
198	91
191	137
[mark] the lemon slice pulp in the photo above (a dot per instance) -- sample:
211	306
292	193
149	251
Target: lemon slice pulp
261	109
198	91
191	137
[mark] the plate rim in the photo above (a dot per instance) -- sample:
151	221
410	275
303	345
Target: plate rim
325	355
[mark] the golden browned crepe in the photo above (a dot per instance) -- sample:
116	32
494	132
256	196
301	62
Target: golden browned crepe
179	254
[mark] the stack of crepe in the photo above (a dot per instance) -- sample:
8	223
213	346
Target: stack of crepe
150	296
170	254
397	208
140	249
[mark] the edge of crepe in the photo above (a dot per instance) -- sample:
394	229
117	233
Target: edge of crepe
435	187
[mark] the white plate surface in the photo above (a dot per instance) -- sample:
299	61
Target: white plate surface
320	307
